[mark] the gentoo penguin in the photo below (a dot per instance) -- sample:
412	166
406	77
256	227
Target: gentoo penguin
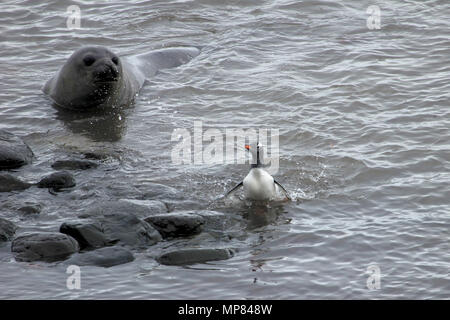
259	184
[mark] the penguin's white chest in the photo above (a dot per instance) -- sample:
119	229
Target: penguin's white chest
259	185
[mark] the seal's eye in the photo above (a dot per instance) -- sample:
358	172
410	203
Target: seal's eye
88	60
115	60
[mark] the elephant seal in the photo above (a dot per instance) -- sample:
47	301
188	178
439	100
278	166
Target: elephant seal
96	78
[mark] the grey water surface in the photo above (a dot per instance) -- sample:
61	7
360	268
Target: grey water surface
363	116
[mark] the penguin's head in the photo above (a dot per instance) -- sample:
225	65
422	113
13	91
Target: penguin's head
257	151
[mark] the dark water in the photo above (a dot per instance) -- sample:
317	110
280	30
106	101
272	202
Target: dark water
363	117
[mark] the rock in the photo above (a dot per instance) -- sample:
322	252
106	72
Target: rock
102	154
141	209
176	224
104	257
7	230
57	180
14	153
74	165
130	230
152	206
192	256
88	235
30	209
216	221
157	190
119	222
44	246
10	183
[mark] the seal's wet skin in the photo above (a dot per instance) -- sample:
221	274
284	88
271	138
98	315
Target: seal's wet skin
103	85
95	77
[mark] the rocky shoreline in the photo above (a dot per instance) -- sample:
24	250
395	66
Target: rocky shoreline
105	235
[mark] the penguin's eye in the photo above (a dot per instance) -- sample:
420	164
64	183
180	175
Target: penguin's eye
88	60
115	60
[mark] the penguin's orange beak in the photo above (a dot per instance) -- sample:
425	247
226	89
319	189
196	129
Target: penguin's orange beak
247	147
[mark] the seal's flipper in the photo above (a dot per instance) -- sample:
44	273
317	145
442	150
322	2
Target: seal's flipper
171	57
149	63
240	184
282	188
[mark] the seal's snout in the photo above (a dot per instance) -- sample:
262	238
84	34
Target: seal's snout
106	72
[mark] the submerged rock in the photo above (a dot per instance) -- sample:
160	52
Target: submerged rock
192	256
122	224
10	183
7	230
102	154
14	153
103	257
130	230
151	206
44	246
30	209
88	235
141	209
159	191
74	165
57	180
216	221
176	224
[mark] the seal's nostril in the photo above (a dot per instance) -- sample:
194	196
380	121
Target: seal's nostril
107	72
114	71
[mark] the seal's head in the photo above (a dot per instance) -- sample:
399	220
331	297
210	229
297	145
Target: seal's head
90	78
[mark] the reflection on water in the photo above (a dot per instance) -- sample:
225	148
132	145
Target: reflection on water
98	125
260	214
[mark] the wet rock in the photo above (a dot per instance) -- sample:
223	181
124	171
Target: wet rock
7	230
43	246
74	165
10	183
216	221
152	206
141	209
176	224
157	190
30	209
57	180
88	235
130	230
192	256
104	257
101	154
120	223
14	153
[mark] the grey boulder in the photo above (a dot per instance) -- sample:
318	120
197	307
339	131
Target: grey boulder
192	256
140	209
88	235
176	224
30	209
103	257
57	180
10	183
121	223
7	230
74	165
14	153
145	207
43	246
